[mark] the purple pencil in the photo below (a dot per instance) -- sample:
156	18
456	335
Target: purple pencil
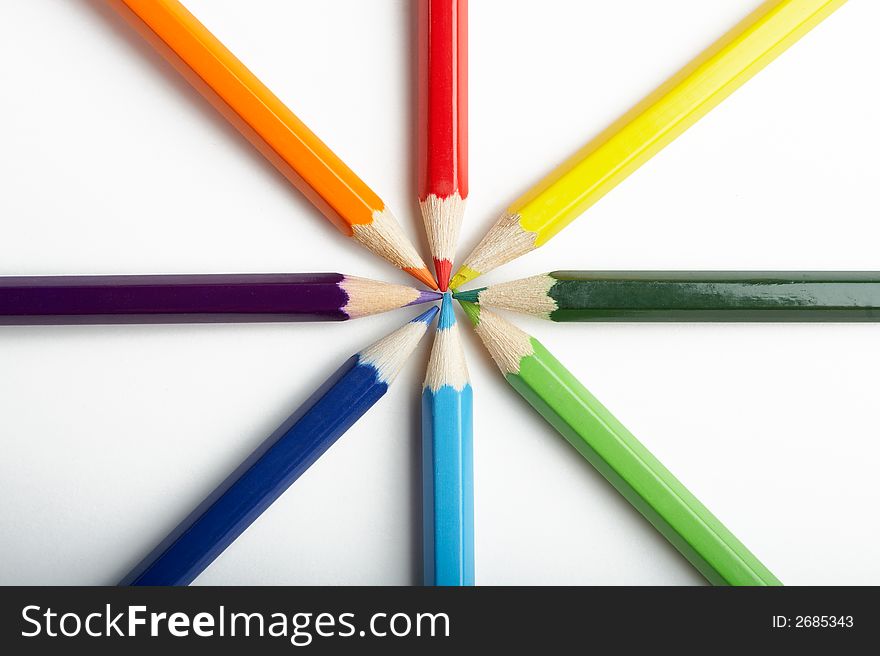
199	298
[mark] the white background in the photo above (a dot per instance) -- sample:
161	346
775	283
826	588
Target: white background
109	163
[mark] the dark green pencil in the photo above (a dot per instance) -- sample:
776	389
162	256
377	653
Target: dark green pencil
689	296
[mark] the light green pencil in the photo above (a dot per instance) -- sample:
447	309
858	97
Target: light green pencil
600	438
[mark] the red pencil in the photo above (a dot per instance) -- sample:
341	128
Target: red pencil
443	182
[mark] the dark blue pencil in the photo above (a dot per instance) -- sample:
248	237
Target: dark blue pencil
280	460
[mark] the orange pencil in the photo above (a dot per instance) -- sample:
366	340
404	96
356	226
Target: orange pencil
274	130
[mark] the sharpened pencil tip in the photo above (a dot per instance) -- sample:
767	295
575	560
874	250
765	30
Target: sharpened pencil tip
422	275
444	271
447	315
469	295
472	311
427	316
465	275
426	297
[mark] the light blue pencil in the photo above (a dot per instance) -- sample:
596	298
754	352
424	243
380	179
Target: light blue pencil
448	459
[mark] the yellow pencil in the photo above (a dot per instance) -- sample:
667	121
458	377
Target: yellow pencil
641	133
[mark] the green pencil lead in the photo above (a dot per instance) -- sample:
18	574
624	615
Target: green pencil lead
472	311
468	296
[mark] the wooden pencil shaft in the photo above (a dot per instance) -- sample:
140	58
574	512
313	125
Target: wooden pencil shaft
274	130
448	495
447	458
337	404
240	96
193	298
667	113
689	296
442	130
598	436
262	478
641	133
716	296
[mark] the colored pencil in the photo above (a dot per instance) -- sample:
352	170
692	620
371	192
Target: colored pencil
274	466
199	298
448	459
443	172
600	438
274	130
689	296
645	130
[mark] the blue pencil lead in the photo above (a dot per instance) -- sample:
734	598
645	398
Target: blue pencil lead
447	315
427	316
